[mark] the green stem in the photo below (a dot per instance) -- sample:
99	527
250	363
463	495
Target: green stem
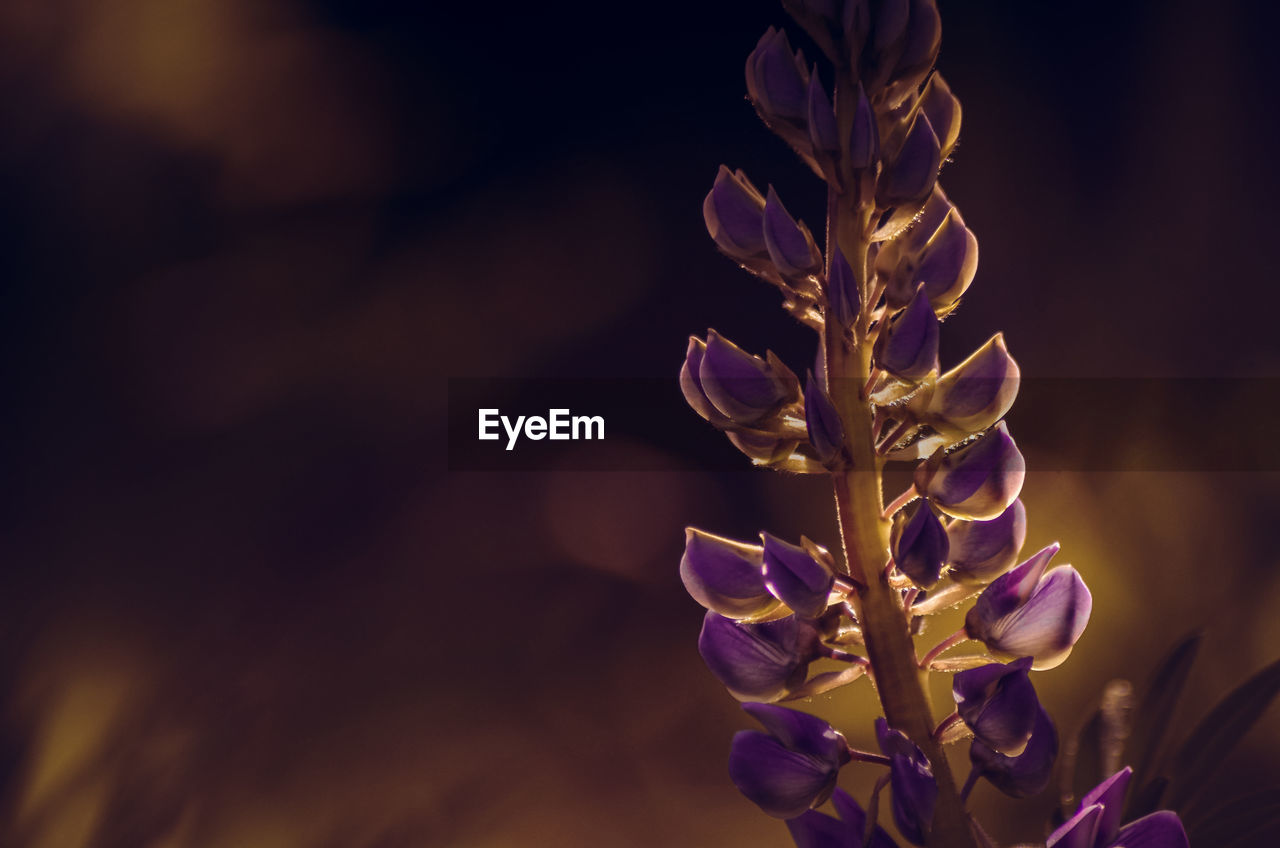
864	531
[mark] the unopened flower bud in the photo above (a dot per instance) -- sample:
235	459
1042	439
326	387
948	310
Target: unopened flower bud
976	481
983	550
998	703
826	434
790	244
920	49
757	660
691	384
915	792
908	347
864	137
777	79
976	393
920	546
945	265
734	214
843	297
796	578
943	110
725	576
912	174
812	829
1028	613
823	131
742	387
791	768
1026	774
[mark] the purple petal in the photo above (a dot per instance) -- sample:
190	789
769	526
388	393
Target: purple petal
812	829
782	782
979	391
908	347
744	388
983	550
734	214
790	245
842	291
801	732
1161	829
924	33
1048	624
1009	592
725	576
1079	831
795	578
920	546
864	137
912	175
1026	774
1110	794
943	110
774	81
998	703
914	790
691	384
826	433
822	118
978	481
757	660
948	263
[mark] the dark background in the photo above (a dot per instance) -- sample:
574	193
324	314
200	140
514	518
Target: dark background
244	247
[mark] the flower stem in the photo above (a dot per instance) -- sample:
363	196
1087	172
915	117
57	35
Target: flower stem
864	530
946	644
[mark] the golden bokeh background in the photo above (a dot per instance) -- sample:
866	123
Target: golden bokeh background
246	244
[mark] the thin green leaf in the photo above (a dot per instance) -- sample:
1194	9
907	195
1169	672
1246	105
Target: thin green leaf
1239	822
1218	732
1144	750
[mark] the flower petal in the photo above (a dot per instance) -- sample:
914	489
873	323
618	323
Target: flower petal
1110	794
796	578
1079	831
757	660
1161	829
725	576
784	783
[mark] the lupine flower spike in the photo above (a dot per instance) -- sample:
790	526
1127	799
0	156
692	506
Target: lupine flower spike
875	122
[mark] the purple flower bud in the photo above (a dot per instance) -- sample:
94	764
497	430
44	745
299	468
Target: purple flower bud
977	481
908	347
978	392
794	577
912	175
923	35
757	660
1079	831
691	385
1161	829
823	131
1109	794
884	44
1026	774
725	576
1028	613
915	792
742	387
763	448
843	297
791	768
983	550
777	79
1096	823
998	703
734	214
812	829
826	433
920	546
948	263
790	244
864	137
943	111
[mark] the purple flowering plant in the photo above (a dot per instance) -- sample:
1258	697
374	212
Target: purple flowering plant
876	124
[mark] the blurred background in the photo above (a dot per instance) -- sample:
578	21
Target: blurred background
244	246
